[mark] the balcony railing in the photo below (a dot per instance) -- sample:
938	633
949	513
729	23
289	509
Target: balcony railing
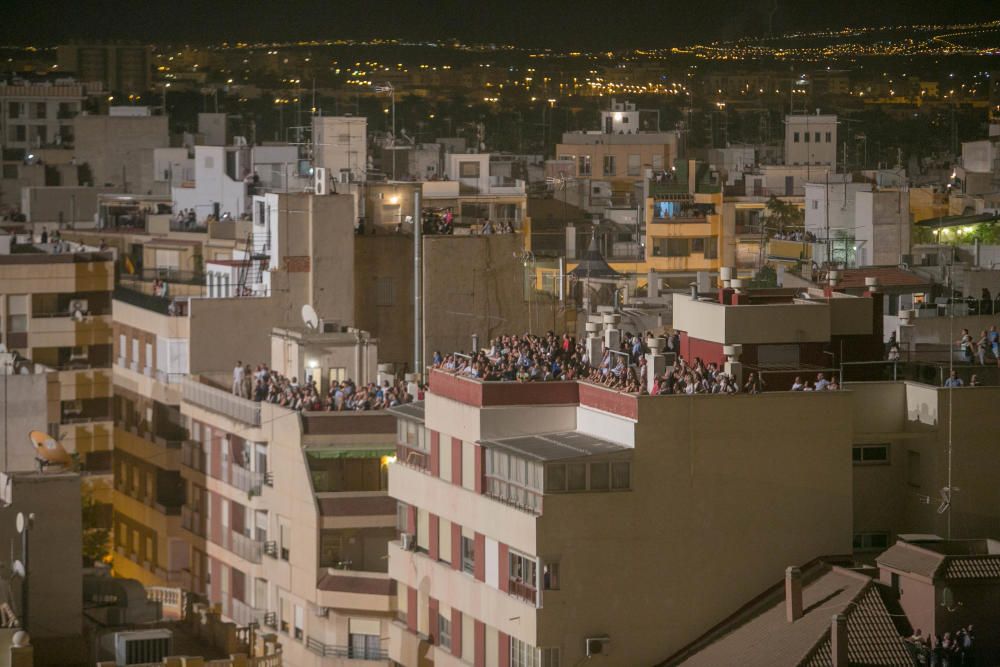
349	652
193	521
249	481
243	614
193	456
221	401
245	547
523	590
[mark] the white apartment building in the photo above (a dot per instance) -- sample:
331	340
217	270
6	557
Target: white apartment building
811	139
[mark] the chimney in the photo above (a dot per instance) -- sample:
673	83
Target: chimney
838	640
793	594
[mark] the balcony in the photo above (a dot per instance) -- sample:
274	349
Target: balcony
192	456
249	481
221	402
245	547
523	590
349	652
193	521
156	304
243	614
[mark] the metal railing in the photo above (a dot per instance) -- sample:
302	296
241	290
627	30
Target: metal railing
221	401
349	652
192	521
249	481
924	372
243	614
193	456
245	547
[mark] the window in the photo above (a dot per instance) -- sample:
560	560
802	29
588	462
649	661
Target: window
609	165
576	477
17	313
795	137
599	477
444	632
526	655
385	291
634	165
20	132
583	165
286	540
711	247
871	541
14	110
676	247
806	137
467	169
621	475
40	110
864	454
913	468
299	622
365	647
550	577
814	204
816	137
698	245
657	162
468	555
829	137
555	477
523	571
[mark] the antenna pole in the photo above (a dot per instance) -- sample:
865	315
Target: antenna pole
951	389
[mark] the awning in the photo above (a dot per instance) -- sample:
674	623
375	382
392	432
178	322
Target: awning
959	220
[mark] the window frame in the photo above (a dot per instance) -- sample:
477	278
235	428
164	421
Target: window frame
858	454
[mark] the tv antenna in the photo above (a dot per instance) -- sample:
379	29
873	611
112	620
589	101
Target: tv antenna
48	451
309	317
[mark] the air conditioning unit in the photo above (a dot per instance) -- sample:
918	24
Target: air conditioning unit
597	645
142	646
408	541
321	612
319	181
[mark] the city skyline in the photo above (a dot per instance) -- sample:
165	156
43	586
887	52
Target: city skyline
540	25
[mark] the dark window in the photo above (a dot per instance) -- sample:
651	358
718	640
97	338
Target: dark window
678	247
870	454
468	170
829	137
795	137
711	247
698	245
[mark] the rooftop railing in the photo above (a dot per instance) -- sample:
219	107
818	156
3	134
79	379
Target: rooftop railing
221	401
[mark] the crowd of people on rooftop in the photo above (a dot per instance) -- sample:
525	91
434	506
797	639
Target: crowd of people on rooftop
265	385
952	649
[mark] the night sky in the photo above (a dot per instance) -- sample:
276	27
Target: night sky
559	24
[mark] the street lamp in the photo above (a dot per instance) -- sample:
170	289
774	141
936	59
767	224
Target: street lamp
387	87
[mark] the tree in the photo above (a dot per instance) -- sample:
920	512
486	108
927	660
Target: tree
780	215
96	534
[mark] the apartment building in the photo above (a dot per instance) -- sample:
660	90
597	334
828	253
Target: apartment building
628	143
39	115
56	311
29	399
118	150
540	517
287	514
124	68
811	139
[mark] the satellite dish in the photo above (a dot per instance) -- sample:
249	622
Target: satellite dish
309	317
48	451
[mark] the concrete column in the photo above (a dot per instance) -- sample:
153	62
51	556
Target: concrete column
593	343
733	367
653	282
793	594
656	362
838	640
612	334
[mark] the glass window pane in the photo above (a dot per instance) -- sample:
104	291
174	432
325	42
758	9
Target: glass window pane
620	475
598	476
576	476
555	477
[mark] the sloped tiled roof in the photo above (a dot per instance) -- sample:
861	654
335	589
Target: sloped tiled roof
766	638
926	562
971	567
872	637
911	558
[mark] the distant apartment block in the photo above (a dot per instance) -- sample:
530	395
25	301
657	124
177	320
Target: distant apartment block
124	68
39	115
